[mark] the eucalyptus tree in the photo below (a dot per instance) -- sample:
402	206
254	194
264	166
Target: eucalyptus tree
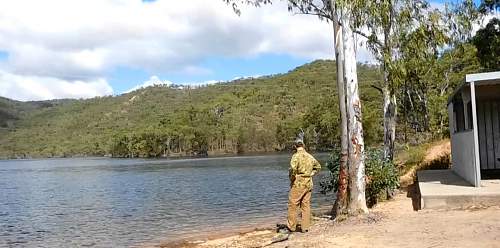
356	157
418	56
436	56
383	23
352	168
487	42
460	19
351	188
341	202
388	25
332	10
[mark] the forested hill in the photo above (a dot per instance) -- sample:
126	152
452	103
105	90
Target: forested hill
11	110
248	115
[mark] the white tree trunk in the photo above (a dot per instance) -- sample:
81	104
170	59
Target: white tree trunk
390	108
356	158
390	112
340	206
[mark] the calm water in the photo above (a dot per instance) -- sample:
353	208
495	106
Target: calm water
117	203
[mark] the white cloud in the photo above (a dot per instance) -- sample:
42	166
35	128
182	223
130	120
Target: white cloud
26	88
207	82
247	77
153	80
85	40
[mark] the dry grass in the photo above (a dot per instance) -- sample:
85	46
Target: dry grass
435	155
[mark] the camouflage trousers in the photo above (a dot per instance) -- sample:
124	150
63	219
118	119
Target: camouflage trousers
299	197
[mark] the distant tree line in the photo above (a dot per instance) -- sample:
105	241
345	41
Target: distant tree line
243	116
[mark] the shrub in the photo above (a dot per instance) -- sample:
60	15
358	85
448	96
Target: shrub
331	183
381	175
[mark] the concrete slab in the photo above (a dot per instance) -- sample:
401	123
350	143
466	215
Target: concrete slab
443	189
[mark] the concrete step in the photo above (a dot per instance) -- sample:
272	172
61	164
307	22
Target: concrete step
443	189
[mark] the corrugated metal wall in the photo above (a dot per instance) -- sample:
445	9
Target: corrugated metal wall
489	134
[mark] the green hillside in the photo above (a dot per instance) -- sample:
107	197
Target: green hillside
248	115
11	111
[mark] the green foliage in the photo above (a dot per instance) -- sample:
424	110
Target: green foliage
381	175
249	115
333	166
460	18
488	6
427	86
11	110
487	42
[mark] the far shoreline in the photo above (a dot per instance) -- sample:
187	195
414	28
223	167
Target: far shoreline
213	156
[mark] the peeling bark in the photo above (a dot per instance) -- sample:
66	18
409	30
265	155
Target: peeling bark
356	157
340	206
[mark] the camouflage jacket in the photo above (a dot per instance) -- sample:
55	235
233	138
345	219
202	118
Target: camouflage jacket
302	167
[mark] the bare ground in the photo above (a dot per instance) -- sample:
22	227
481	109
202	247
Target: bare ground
390	224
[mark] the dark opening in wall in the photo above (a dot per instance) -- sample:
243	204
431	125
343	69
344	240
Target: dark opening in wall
458	112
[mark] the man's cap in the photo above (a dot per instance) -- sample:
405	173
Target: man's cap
299	141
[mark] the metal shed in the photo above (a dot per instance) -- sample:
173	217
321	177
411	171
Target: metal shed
474	121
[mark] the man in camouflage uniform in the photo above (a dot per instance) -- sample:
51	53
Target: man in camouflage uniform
303	167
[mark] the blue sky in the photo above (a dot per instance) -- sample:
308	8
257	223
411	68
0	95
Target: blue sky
54	50
3	55
219	68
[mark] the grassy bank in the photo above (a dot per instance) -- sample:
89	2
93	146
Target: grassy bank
426	156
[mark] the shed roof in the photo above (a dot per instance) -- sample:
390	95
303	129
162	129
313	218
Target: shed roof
486	78
480	77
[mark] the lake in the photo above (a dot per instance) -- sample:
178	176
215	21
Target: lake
104	202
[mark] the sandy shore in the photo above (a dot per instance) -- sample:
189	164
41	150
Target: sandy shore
390	224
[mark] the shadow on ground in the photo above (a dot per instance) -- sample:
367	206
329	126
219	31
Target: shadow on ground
414	194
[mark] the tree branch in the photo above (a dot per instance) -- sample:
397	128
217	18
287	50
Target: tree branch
313	14
377	88
321	11
310	9
376	40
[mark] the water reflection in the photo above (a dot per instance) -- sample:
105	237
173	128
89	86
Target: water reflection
114	202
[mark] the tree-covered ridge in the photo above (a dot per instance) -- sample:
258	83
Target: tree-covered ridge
248	115
12	110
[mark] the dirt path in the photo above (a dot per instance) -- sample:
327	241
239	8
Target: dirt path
390	224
